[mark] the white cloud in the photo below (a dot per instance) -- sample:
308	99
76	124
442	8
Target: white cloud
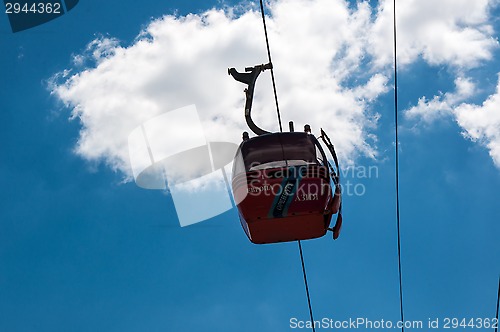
443	104
457	34
481	123
444	32
332	61
181	61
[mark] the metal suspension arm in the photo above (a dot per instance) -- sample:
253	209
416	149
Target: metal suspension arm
331	148
249	78
336	179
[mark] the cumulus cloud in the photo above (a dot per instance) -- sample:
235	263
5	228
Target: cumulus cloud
481	123
443	104
177	61
332	61
456	33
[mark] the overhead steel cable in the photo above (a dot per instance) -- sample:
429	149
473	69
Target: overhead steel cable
307	287
397	166
271	62
281	130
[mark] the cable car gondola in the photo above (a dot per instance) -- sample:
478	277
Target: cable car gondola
284	186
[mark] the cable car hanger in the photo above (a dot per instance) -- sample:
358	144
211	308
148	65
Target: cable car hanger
251	151
250	77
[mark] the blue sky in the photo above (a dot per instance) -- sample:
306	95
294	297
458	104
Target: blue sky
82	248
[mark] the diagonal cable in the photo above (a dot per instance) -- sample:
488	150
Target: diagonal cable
271	62
397	169
307	287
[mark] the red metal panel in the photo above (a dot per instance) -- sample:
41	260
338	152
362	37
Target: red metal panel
306	217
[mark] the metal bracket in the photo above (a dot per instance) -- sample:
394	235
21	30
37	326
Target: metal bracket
249	77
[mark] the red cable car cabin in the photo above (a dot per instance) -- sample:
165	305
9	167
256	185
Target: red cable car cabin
282	187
